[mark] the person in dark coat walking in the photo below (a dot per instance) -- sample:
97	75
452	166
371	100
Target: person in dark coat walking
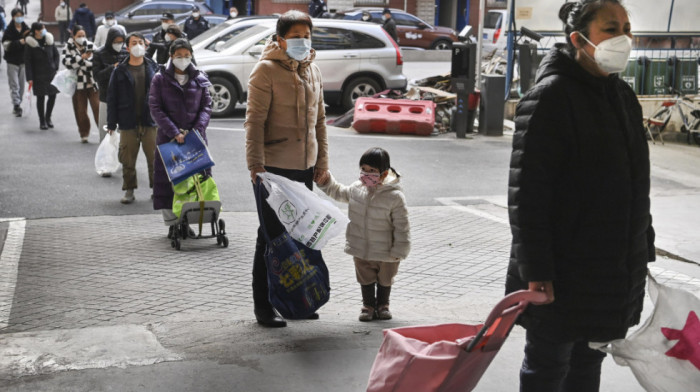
579	201
41	60
84	17
195	24
317	8
159	43
172	33
104	61
127	108
13	41
389	24
179	101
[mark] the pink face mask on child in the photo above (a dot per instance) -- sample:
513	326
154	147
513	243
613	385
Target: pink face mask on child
370	180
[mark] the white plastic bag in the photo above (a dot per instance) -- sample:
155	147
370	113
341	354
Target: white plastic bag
107	156
28	102
307	218
65	81
663	353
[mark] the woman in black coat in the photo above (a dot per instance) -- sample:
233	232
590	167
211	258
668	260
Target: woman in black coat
41	61
579	201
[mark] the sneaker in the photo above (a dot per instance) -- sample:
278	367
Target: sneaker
15	109
43	126
128	197
106	174
18	111
384	313
84	139
367	313
171	232
49	123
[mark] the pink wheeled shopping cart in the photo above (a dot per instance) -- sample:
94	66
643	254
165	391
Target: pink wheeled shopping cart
445	357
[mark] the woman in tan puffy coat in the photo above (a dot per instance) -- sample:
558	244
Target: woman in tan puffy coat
285	130
378	235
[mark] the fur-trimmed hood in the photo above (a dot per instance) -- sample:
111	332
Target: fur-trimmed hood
33	42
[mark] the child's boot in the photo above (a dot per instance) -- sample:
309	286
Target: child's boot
383	302
368	303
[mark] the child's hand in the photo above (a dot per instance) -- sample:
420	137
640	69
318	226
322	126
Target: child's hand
321	176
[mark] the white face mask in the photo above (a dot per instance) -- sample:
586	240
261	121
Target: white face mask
63	4
234	14
298	48
117	47
164	26
612	54
182	63
195	15
108	22
81	40
167	38
137	50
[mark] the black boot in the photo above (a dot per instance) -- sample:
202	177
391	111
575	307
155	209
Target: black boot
268	317
49	110
383	293
369	302
40	111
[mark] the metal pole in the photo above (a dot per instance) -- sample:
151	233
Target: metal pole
510	12
480	42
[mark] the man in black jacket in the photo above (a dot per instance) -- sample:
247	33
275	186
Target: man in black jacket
104	61
195	24
389	24
127	108
13	43
160	44
317	8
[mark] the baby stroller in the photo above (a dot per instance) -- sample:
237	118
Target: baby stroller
446	357
205	209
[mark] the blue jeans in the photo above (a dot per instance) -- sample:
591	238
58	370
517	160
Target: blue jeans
554	366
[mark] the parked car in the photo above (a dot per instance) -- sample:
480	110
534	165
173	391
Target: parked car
412	31
213	19
145	14
494	34
356	59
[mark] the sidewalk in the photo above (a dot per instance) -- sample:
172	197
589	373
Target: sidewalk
78	276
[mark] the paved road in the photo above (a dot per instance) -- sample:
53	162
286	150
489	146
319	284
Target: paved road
93	298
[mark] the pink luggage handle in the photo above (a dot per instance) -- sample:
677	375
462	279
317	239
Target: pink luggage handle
501	320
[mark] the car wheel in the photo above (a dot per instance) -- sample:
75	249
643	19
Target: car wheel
360	87
223	96
441	44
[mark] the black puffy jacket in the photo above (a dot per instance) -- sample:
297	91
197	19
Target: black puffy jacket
104	59
578	201
41	60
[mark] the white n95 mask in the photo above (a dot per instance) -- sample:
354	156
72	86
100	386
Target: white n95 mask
612	54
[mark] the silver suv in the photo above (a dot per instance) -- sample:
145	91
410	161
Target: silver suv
356	59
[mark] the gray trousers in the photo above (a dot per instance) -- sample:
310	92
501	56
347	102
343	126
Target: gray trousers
15	77
103	120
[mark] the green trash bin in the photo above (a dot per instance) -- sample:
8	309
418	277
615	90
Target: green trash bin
634	74
684	74
657	78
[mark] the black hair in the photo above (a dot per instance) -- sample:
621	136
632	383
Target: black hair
174	30
180	43
82	5
77	28
134	34
291	18
16	11
578	15
36	26
377	158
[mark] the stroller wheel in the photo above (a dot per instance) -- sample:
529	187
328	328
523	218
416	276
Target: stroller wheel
219	239
176	244
222	226
172	243
224	241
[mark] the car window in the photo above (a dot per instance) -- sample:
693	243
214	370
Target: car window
148	9
406	20
255	30
376	17
177	8
332	38
228	36
365	41
492	20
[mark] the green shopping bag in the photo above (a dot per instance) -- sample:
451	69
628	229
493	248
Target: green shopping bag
195	188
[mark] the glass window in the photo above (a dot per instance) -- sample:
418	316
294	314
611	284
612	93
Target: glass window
364	41
148	9
492	20
175	8
328	38
406	20
227	36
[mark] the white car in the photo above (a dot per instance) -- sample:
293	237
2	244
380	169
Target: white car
495	34
356	59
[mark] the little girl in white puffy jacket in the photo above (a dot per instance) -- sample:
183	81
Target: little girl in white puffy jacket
378	235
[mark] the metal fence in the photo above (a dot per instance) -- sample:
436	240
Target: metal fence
651	71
